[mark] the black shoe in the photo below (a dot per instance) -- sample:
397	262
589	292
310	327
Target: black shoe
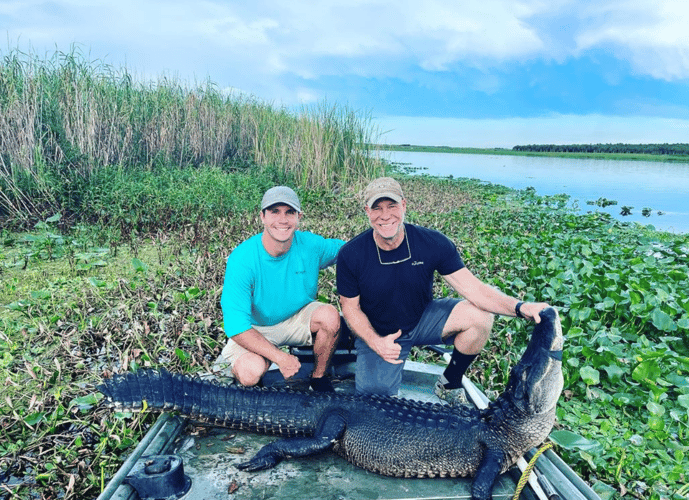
322	384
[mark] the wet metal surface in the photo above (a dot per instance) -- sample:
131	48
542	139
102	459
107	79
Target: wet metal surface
326	476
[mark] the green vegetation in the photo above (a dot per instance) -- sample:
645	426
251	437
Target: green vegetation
442	149
624	298
119	264
650	149
63	119
554	152
77	307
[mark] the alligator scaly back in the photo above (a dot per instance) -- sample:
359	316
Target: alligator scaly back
273	411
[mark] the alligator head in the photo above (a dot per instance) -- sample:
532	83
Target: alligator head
536	381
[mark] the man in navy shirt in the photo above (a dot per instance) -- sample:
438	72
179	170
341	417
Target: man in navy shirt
385	281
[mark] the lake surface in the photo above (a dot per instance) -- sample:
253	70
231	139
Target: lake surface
660	186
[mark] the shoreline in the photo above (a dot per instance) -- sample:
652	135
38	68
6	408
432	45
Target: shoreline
509	152
636	208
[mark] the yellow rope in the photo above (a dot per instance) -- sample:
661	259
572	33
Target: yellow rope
527	471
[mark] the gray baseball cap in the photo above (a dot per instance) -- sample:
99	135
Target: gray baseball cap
281	194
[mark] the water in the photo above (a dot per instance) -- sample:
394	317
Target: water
659	186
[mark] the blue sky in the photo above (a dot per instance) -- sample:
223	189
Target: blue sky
481	73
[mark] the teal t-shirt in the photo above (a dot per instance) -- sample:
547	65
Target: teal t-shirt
263	290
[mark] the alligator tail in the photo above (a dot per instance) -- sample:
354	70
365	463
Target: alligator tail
267	411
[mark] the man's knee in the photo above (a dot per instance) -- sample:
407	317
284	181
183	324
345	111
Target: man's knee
326	319
469	321
375	376
249	369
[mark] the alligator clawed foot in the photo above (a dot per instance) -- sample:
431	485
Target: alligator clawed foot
258	463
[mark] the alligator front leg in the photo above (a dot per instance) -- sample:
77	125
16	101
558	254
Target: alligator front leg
331	429
486	474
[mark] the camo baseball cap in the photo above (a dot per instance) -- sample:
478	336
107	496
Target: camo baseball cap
281	194
383	187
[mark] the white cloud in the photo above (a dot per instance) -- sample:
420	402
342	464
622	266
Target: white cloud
256	45
232	31
434	34
650	34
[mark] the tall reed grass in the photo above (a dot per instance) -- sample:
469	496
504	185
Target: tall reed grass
63	116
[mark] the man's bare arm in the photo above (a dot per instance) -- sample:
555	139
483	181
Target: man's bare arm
491	299
253	341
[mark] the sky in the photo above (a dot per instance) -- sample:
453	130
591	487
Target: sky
466	73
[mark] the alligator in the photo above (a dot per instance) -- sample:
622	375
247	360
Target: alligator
387	435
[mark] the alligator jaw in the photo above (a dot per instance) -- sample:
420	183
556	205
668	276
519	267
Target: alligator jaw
536	381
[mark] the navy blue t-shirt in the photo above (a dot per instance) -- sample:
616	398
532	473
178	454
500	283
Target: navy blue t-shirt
394	296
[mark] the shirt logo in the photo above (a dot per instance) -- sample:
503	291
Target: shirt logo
417	263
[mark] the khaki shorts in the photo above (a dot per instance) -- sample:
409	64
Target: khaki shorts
294	331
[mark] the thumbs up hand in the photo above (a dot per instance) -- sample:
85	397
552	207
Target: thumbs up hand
388	349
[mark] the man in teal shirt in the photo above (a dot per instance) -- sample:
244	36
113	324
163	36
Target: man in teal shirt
269	296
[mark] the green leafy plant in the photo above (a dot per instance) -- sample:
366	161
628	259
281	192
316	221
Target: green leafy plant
129	274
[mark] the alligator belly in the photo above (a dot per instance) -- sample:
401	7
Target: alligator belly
405	450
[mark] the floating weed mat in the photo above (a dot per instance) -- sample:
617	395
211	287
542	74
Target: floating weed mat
63	328
81	304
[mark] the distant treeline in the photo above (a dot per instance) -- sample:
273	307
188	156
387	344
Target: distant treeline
651	149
